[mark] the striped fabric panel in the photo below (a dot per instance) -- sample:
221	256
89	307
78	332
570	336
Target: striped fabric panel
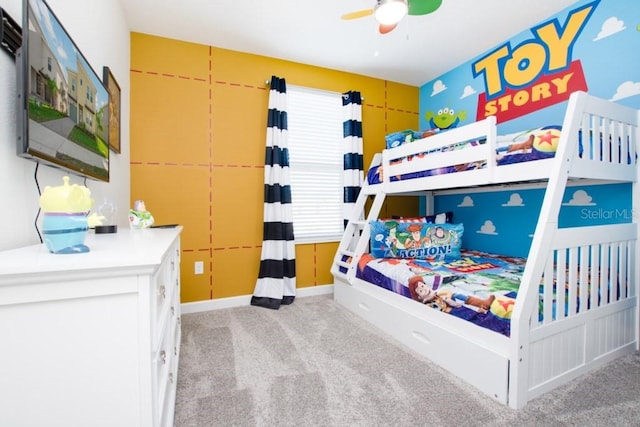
353	167
276	282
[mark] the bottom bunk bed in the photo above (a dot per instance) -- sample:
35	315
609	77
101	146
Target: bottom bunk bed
512	327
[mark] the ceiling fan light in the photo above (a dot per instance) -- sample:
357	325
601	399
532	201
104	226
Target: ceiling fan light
389	12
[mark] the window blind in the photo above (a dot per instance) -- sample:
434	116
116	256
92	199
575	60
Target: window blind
315	163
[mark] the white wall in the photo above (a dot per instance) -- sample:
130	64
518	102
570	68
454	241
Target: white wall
99	29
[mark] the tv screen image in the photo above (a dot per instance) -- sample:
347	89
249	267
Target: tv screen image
63	116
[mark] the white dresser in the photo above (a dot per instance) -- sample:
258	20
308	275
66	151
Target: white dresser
91	339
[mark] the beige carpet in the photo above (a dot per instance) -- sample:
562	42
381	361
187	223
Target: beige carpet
313	363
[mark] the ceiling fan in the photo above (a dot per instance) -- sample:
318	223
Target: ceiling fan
389	13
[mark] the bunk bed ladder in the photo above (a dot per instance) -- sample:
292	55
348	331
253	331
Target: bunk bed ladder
356	236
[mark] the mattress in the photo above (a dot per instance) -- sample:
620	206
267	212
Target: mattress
525	146
477	287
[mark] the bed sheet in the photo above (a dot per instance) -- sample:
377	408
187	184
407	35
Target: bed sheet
526	146
478	287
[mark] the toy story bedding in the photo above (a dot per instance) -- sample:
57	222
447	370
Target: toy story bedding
533	144
476	286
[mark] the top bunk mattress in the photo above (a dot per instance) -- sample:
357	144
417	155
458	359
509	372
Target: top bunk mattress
600	148
526	146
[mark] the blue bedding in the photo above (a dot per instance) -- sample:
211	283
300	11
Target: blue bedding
477	287
531	145
534	144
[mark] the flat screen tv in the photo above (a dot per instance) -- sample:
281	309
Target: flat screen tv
63	117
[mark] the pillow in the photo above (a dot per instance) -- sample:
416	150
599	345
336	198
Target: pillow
415	239
396	139
534	144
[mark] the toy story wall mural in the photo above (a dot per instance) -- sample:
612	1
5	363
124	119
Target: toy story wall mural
503	222
525	82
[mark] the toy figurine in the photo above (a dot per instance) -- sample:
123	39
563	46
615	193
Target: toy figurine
139	216
64	224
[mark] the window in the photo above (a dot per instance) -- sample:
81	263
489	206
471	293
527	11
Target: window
315	163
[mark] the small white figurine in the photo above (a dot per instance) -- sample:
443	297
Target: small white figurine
139	216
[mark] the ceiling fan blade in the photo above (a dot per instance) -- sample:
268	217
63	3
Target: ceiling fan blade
357	14
423	7
384	29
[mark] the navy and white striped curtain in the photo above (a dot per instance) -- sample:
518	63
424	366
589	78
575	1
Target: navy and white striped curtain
352	142
276	282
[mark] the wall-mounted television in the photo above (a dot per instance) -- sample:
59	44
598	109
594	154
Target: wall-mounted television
62	117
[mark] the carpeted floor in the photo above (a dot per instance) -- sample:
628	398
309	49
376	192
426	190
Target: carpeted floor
313	363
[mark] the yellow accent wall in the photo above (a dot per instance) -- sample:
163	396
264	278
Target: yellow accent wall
198	129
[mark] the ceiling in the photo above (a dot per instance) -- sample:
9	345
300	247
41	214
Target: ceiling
311	32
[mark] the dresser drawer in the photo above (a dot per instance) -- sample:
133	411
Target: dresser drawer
177	335
164	377
168	407
165	298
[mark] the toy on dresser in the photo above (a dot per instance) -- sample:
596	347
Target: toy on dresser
139	216
65	222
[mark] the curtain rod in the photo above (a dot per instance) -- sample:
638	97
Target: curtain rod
268	83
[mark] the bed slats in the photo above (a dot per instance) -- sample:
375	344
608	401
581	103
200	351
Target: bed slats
586	276
610	143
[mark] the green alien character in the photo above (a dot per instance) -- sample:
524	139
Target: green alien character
446	118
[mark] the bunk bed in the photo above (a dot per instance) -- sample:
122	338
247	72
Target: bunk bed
555	333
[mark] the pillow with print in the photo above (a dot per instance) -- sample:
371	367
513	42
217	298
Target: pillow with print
417	239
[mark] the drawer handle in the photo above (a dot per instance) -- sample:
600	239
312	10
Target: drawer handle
162	292
173	266
171	377
173	311
163	357
175	350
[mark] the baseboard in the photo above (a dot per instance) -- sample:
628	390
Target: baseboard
244	300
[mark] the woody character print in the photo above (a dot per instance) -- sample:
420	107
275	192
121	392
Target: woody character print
444	300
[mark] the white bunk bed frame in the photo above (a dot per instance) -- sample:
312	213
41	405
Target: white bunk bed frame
538	356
